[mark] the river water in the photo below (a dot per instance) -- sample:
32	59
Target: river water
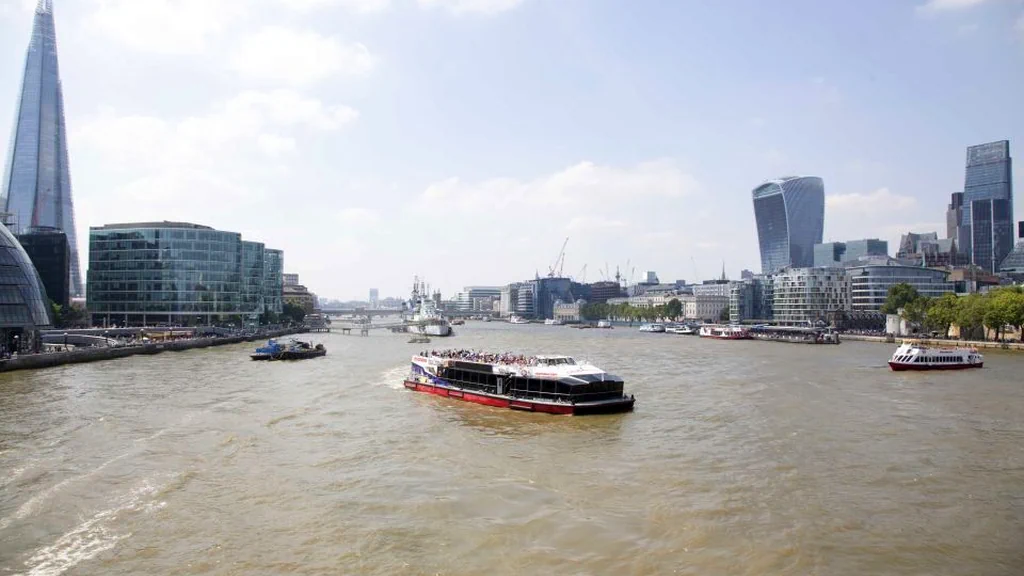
742	458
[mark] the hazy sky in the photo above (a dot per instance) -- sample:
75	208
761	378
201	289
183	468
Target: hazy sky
463	140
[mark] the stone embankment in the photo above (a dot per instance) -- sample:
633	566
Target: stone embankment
938	343
82	355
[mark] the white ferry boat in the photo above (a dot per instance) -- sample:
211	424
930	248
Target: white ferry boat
604	324
426	320
517	320
720	332
551	384
915	357
553	322
653	328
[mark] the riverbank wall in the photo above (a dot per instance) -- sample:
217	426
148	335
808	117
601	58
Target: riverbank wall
83	355
938	343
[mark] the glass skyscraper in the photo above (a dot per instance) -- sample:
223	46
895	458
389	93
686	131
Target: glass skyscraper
37	182
790	214
988	204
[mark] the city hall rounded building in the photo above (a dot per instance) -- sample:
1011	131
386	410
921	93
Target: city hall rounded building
23	305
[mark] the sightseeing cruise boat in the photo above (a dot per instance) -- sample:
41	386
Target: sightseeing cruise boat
517	320
916	357
553	322
659	328
550	384
426	319
720	332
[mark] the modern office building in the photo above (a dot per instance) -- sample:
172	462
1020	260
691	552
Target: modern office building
954	218
987	210
178	273
290	279
841	253
273	281
721	288
509	300
600	292
478	298
869	285
374	299
751	300
253	278
790	214
803	296
50	253
23	307
526	300
37	181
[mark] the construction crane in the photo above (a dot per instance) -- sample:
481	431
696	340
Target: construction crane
559	261
581	277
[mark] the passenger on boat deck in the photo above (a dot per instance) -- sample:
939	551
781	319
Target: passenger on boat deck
506	358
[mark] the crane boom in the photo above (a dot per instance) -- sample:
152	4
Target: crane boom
559	260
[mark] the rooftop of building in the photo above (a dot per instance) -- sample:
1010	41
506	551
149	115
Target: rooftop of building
163	224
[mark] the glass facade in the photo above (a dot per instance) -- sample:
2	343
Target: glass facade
870	284
273	280
253	278
50	254
166	272
790	214
37	180
988	177
23	305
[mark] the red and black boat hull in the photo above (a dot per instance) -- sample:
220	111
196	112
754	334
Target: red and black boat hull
605	407
901	367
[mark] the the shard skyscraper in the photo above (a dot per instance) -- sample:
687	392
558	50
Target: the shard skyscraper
37	182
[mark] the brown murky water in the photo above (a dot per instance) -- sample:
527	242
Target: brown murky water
741	458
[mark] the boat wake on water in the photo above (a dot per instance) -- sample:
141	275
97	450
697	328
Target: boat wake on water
393	378
96	534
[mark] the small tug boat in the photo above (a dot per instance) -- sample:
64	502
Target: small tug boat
550	384
267	352
915	357
299	350
294	350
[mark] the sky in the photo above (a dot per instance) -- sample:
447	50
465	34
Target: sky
464	140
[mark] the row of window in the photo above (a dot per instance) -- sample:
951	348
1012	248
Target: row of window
930	359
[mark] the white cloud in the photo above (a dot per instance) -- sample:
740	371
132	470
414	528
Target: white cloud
164	26
461	7
358	6
583	182
251	118
933	6
353	217
878	214
277	54
597	223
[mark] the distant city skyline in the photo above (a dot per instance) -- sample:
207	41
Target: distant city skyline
464	141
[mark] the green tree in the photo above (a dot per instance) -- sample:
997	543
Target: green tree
942	313
970	315
898	297
1005	307
674	309
293	313
916	310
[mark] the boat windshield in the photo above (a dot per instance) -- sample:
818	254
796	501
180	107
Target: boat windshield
564	361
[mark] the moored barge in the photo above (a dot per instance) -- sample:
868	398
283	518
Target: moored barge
549	384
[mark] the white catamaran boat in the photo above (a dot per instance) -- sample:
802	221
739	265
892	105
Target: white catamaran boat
517	320
917	357
426	319
553	322
652	328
